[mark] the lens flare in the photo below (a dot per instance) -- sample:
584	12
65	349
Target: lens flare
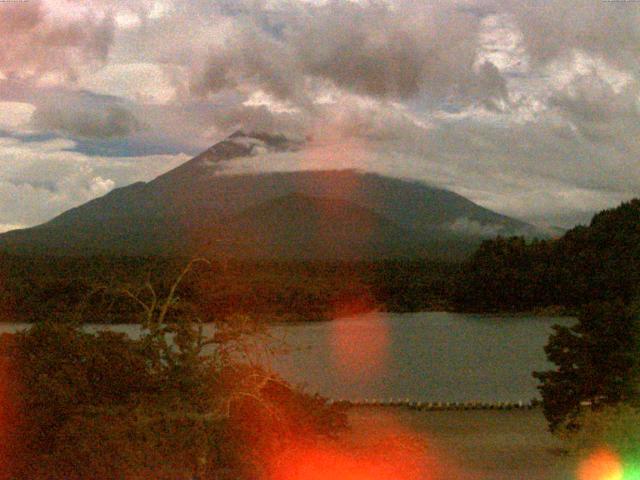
360	351
8	418
603	464
383	454
631	472
330	149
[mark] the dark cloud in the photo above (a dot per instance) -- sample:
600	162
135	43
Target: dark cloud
253	59
552	29
600	114
85	116
370	48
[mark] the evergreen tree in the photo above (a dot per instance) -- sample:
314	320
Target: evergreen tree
596	363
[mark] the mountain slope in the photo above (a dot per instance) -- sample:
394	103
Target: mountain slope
296	226
201	205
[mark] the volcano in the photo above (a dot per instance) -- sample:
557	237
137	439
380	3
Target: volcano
210	205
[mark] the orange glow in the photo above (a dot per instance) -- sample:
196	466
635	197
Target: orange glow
602	464
331	149
360	351
388	453
326	463
8	419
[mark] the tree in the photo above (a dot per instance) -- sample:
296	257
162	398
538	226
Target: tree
596	362
502	275
173	404
597	263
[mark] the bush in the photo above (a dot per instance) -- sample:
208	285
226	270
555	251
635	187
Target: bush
596	363
104	406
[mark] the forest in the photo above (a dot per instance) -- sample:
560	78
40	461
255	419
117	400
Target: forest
595	263
214	413
598	262
172	404
100	288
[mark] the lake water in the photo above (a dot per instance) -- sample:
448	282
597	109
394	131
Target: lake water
430	356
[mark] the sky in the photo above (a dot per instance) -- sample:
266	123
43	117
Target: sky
528	107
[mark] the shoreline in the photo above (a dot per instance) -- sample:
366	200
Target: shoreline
277	320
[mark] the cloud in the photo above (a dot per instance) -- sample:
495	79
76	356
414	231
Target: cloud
367	48
252	59
556	28
87	116
6	227
136	82
15	116
41	179
600	114
35	43
473	227
390	51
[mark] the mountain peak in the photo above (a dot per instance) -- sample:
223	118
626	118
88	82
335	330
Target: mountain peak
270	141
248	144
237	145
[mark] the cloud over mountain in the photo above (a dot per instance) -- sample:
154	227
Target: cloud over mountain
369	48
529	108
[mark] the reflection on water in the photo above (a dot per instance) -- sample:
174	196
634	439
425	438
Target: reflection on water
430	356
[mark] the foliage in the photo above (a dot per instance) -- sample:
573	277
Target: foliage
172	404
600	262
76	288
596	362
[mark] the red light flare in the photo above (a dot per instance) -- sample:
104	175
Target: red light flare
385	452
330	149
602	464
360	348
348	228
9	415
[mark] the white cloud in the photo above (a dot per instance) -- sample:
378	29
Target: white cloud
15	116
127	19
6	227
39	180
99	186
138	82
500	42
161	9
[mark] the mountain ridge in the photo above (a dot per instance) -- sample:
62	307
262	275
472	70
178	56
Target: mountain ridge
169	214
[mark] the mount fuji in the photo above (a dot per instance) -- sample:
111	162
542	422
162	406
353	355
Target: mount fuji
211	206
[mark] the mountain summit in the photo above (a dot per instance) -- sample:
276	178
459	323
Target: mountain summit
202	207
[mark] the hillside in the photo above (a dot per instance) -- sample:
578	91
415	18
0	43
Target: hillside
599	262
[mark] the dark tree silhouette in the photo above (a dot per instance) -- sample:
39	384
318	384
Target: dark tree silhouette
595	363
600	262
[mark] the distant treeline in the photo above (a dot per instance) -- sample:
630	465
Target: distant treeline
599	262
101	289
595	263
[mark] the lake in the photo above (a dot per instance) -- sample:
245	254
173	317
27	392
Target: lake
428	356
